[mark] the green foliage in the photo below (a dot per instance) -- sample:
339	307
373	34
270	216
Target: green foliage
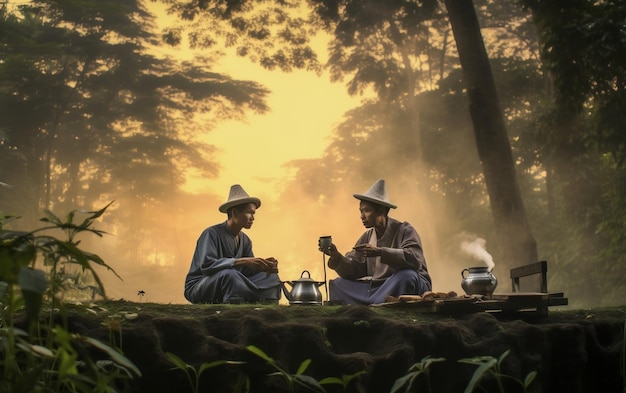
292	380
272	34
242	383
47	358
344	381
581	145
421	368
381	46
488	365
582	48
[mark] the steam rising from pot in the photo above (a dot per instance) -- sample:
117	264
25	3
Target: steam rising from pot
476	249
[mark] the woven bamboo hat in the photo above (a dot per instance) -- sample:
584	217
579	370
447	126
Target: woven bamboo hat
376	194
238	196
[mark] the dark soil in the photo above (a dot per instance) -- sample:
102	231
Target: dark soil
571	350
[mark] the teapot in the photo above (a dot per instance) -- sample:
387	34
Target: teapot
478	281
304	290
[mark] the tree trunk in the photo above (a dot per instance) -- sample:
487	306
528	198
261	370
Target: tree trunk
516	241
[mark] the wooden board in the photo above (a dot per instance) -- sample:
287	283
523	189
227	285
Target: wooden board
431	305
419	305
531	303
513	303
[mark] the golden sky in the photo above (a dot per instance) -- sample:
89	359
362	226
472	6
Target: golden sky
304	108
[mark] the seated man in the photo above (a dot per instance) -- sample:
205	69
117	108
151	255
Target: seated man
223	268
387	259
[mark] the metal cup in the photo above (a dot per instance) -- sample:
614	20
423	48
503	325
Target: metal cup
325	242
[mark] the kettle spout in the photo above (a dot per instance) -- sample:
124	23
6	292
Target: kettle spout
285	291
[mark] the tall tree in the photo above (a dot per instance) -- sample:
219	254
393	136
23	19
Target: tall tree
491	136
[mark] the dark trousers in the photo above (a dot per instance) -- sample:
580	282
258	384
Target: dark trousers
230	285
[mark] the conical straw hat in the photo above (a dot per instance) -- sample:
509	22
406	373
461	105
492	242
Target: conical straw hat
376	194
238	196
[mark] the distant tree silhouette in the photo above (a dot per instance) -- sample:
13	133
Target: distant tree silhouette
89	113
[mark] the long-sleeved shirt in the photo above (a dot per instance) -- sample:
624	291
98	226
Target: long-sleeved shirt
401	249
216	250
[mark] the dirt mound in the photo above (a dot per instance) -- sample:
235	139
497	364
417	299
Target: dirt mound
574	351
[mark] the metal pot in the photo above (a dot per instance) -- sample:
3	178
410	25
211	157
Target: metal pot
478	281
304	291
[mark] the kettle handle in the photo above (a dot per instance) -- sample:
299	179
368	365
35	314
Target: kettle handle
307	272
463	271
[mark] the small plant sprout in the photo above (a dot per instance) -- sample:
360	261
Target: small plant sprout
292	380
421	368
344	381
193	374
488	365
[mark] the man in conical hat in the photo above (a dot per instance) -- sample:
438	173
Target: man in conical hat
387	260
223	268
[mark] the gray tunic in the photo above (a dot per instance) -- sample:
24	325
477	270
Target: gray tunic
213	278
401	249
401	268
